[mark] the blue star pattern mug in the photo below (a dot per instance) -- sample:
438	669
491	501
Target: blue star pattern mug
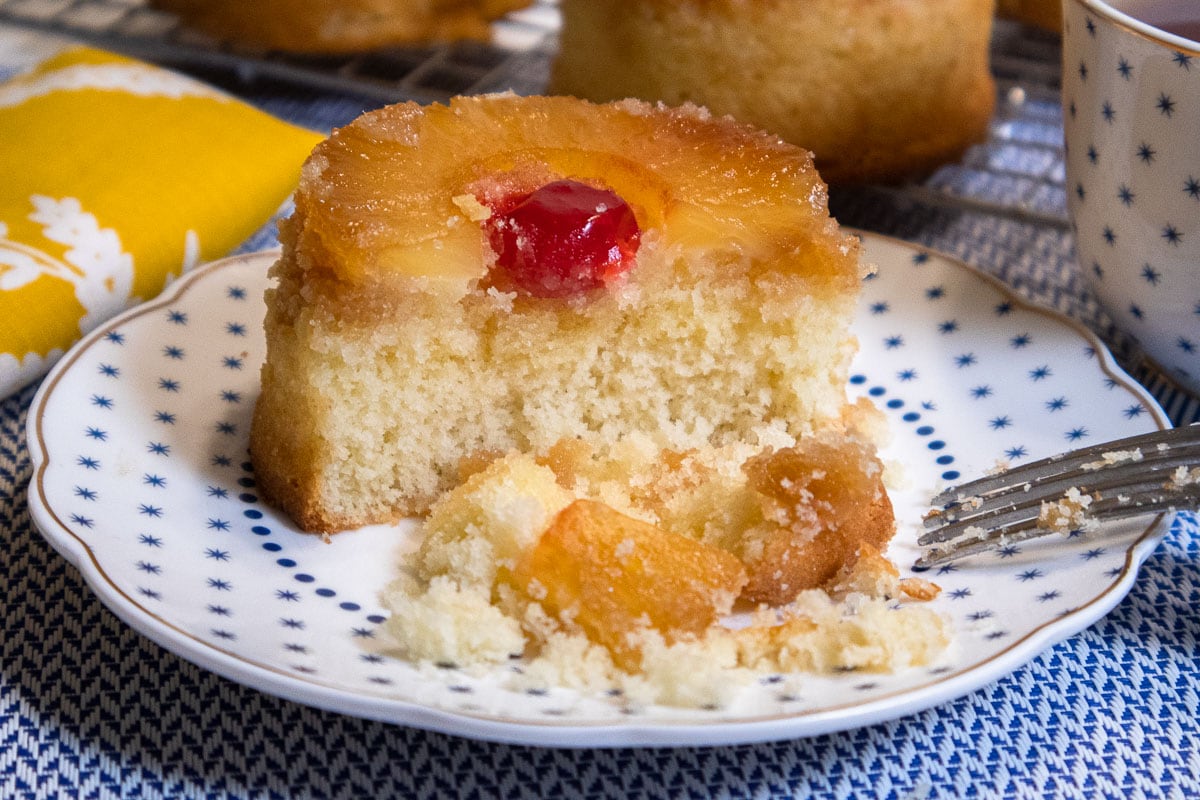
1131	113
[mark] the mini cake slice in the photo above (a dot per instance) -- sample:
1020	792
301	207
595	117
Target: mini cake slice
549	276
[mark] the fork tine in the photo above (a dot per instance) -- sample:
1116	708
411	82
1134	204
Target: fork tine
1007	508
1127	477
936	555
1030	490
1154	445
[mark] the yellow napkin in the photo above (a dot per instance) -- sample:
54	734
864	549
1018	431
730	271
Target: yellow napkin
115	177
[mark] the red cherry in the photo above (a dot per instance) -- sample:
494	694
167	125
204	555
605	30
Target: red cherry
564	238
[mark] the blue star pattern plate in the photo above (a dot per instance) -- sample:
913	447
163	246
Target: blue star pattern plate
141	480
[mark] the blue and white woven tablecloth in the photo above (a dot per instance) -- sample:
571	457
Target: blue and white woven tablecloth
90	708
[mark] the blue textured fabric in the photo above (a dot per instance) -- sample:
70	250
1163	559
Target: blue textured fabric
89	708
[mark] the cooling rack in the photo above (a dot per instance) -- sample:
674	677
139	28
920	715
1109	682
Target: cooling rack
1018	172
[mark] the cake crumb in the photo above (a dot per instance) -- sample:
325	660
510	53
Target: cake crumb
1113	457
1182	476
474	210
1068	514
466	603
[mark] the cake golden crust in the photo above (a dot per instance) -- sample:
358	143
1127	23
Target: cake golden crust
879	90
825	500
332	26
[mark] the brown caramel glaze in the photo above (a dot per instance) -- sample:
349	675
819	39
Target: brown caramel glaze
826	500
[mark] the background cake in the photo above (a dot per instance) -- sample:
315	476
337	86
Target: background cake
1046	14
325	26
879	90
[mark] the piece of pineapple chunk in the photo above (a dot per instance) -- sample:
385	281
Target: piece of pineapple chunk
614	577
823	500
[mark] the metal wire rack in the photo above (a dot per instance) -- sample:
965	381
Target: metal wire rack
1018	172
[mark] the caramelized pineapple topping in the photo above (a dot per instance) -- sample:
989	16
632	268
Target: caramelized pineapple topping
614	576
822	500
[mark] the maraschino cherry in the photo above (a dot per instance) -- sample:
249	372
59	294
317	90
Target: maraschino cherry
564	239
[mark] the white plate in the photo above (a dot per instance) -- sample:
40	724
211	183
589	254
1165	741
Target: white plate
141	480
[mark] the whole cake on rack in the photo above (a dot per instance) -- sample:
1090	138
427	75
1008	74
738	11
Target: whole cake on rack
338	26
878	90
1047	14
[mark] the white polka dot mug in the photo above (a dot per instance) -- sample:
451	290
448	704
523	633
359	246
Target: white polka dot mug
1131	112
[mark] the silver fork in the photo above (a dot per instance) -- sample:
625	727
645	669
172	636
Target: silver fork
1067	493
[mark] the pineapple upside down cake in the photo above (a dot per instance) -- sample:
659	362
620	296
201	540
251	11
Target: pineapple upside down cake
602	350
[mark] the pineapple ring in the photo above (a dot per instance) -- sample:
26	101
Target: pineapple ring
385	184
